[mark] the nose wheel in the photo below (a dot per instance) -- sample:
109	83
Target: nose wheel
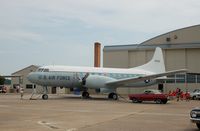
44	96
45	91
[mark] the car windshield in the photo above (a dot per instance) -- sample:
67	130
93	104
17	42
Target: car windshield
196	90
152	92
157	92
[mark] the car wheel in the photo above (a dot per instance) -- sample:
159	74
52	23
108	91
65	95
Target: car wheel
164	101
135	100
198	125
194	98
158	101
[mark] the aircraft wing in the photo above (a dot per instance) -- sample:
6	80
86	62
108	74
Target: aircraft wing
122	82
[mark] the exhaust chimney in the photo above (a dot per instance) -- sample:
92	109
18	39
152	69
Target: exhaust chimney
97	54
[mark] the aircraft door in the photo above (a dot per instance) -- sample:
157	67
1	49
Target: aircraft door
160	87
53	90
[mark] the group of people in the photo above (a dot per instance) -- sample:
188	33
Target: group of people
179	94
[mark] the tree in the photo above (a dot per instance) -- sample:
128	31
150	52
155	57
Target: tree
2	80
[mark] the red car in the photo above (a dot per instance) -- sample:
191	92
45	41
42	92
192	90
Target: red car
149	95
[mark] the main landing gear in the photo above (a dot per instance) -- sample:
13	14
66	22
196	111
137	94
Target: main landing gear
45	96
85	95
113	96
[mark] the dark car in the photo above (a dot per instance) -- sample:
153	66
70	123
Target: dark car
149	95
2	89
195	116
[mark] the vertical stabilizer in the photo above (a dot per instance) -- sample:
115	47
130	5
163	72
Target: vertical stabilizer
156	64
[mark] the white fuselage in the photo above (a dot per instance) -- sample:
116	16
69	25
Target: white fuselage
68	76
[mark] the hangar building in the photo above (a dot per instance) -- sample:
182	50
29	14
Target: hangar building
181	49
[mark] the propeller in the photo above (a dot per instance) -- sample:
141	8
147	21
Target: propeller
84	78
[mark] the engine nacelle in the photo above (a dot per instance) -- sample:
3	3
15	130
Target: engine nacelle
97	82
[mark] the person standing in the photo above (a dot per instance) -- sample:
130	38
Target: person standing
178	93
21	92
187	95
17	88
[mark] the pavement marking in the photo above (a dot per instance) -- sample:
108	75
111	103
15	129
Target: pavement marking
72	129
47	124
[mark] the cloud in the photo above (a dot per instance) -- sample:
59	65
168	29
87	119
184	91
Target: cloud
63	31
19	35
143	15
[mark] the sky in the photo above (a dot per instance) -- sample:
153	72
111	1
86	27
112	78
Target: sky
63	32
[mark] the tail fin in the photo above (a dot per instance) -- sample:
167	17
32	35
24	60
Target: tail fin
156	64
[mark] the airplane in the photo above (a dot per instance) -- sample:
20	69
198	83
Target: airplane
103	80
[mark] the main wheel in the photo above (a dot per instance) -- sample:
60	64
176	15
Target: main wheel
45	97
113	96
85	95
198	125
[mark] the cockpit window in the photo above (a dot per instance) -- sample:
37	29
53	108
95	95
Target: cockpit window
39	70
46	70
42	70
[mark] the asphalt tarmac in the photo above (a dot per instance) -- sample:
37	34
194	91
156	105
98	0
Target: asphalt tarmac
71	113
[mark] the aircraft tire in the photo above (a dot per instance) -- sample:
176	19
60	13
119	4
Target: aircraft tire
85	95
113	96
45	97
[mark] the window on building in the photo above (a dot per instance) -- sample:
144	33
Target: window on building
198	78
191	78
180	78
171	80
29	86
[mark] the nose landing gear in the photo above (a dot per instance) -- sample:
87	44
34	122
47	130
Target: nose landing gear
45	96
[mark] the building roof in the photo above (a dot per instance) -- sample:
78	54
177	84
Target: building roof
177	30
145	47
25	69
